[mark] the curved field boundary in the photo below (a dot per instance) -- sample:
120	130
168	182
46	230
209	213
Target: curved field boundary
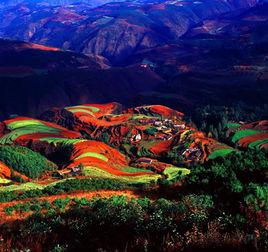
258	144
233	125
220	153
244	142
127	177
93	109
243	133
22	123
4	170
82	111
93	154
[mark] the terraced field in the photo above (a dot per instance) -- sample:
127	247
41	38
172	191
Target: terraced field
252	135
96	158
154	131
107	142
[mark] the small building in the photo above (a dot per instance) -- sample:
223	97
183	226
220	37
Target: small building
136	138
145	160
76	169
73	171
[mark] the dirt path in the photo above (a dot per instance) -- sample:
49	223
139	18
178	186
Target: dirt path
88	195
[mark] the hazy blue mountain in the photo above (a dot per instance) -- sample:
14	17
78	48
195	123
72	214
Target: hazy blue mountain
114	30
92	3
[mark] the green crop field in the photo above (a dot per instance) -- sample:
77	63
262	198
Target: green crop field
140	179
94	109
64	141
25	161
22	123
30	129
80	111
4	181
22	187
258	143
93	154
233	125
30	186
133	169
174	172
140	116
220	153
243	133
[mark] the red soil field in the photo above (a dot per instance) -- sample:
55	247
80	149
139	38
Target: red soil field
165	111
38	47
104	109
259	125
5	172
161	146
264	146
2	129
115	158
245	141
99	147
63	132
35	136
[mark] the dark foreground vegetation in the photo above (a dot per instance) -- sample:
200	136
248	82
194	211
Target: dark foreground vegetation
222	206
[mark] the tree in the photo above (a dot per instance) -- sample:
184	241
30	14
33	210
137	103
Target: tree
25	161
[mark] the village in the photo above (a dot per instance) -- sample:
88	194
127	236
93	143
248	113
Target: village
165	130
160	129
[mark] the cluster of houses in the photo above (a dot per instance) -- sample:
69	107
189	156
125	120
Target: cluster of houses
165	129
168	124
136	138
192	153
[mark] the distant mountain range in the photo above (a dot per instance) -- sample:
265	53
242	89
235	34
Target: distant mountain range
92	3
114	30
176	54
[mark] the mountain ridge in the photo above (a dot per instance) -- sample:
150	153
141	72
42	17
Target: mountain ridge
113	30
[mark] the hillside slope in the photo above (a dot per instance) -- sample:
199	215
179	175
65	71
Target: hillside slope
39	77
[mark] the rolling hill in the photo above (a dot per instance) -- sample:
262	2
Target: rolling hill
137	145
38	77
